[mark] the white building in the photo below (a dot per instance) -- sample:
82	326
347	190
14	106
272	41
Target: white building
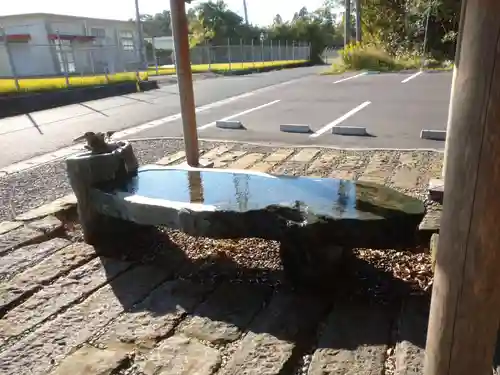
42	44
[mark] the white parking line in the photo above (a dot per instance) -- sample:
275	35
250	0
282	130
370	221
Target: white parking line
342	118
348	78
239	114
165	120
412	76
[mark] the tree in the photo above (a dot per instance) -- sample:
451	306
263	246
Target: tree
399	26
278	20
157	25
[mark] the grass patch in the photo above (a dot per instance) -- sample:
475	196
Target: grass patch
58	83
226	67
8	85
356	57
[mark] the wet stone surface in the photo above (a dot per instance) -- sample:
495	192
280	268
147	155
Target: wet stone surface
223	204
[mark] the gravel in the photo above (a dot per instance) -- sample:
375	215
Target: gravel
26	190
29	189
378	272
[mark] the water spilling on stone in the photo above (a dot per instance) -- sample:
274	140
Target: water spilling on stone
243	192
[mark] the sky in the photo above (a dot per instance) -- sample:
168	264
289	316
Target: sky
260	12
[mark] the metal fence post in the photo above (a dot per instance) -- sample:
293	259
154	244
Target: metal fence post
9	56
271	52
262	51
63	58
154	53
253	54
279	49
92	64
229	52
242	58
286	50
293	50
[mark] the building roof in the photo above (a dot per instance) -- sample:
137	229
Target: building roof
53	15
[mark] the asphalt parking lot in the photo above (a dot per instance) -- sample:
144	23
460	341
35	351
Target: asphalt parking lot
393	107
393	112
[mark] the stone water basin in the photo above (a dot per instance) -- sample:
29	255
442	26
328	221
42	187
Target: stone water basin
234	204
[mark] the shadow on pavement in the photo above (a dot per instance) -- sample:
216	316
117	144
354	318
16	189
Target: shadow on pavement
259	300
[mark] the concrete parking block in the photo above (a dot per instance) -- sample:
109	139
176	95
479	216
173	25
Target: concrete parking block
435	135
295	128
221	124
349	130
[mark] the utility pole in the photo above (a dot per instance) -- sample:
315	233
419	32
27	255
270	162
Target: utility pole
464	315
246	11
185	80
140	37
358	21
347	23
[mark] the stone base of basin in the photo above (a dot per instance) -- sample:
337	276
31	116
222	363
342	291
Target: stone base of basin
315	219
311	264
86	170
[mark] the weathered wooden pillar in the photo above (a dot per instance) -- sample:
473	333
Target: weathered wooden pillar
185	80
88	169
465	306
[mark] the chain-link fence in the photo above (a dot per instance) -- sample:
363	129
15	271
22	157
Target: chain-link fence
234	53
34	60
83	55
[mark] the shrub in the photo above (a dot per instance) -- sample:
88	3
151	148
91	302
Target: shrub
359	57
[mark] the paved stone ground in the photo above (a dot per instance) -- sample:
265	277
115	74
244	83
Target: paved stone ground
66	311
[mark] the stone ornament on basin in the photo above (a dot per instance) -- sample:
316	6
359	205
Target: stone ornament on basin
315	219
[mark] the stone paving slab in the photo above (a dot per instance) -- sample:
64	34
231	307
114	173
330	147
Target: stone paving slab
180	355
354	342
7	226
70	313
18	237
43	273
26	256
42	349
411	336
47	224
64	292
226	313
270	343
89	360
57	206
156	316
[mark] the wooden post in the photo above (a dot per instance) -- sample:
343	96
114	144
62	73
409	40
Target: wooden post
185	80
465	306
